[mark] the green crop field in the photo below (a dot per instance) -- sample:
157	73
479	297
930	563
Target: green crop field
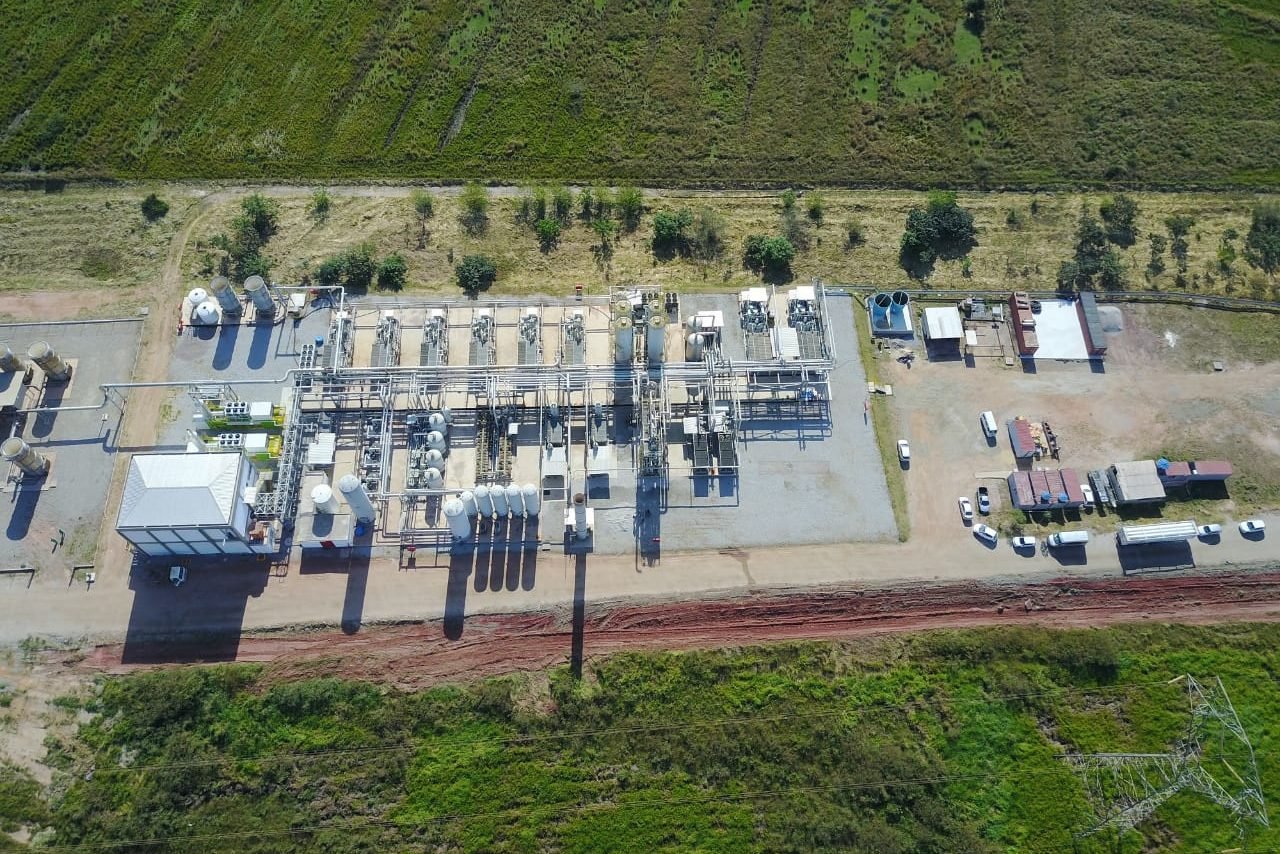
904	92
942	742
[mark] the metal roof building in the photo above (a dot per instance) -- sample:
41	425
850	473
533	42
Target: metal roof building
943	324
188	504
1046	490
1135	482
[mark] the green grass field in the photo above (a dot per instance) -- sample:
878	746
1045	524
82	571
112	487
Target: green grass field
942	742
899	92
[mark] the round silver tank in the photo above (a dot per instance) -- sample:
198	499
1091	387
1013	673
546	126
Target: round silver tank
693	348
22	455
624	340
434	477
195	297
456	515
357	499
225	295
580	516
515	500
433	458
436	421
656	337
484	503
256	288
435	440
53	365
324	499
206	314
10	362
532	499
498	496
468	499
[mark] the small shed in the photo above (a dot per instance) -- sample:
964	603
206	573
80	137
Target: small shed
1135	482
942	324
1020	438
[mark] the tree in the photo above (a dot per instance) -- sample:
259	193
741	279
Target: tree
604	201
330	272
942	229
1091	245
1119	213
586	204
1155	266
392	272
604	230
669	228
795	229
318	208
424	205
1179	225
629	204
548	231
816	205
1262	243
475	208
153	208
975	16
475	273
788	200
768	253
1111	271
358	266
562	203
263	214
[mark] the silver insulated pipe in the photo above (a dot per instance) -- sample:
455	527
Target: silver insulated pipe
22	455
9	361
53	365
225	295
258	291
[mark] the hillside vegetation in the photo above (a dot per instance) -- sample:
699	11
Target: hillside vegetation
944	742
1156	92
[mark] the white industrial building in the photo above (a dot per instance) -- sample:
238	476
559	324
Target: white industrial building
192	504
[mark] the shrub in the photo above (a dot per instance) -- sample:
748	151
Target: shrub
318	209
358	266
669	228
1155	266
424	204
392	272
475	208
476	273
263	214
789	200
768	253
604	229
816	205
1179	226
153	208
562	203
1119	214
548	231
330	272
708	241
1262	244
1014	219
795	229
942	229
854	235
629	204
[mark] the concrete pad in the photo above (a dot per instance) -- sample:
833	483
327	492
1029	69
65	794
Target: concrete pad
1059	332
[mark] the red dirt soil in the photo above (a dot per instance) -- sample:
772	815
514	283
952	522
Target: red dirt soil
420	654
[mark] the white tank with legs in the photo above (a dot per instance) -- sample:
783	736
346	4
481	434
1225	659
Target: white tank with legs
455	514
532	499
357	499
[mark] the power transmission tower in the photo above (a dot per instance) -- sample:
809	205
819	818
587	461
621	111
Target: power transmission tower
1215	759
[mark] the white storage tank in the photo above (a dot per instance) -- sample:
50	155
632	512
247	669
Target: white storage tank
499	497
225	295
484	503
468	499
656	336
624	340
357	499
206	314
456	515
435	440
194	297
693	347
515	500
27	459
433	458
256	288
324	499
434	477
53	365
532	499
437	422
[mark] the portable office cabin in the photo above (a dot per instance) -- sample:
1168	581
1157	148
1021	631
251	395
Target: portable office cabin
187	504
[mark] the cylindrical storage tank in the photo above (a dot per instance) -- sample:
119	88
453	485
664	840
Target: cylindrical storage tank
622	308
900	301
656	336
49	361
225	295
580	516
498	496
532	499
448	415
433	458
206	314
435	440
515	500
357	499
624	340
880	309
195	297
468	499
324	499
256	288
10	362
434	477
484	502
693	348
456	515
436	421
23	456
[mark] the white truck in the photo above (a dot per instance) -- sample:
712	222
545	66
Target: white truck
1068	538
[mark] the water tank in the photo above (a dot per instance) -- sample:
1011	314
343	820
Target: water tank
324	499
256	288
435	440
22	455
900	302
468	499
195	297
532	499
436	421
10	362
498	496
693	347
484	503
357	499
433	477
580	516
206	314
515	500
49	361
656	336
624	339
225	295
455	513
880	310
433	458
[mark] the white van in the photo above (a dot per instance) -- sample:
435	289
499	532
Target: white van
988	420
1069	538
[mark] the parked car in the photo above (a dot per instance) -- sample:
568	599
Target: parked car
1209	530
1253	526
966	509
177	575
986	533
984	500
904	450
1024	542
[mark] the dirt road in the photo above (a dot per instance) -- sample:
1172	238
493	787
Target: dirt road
422	653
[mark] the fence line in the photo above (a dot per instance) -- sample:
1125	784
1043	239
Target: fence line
1171	297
